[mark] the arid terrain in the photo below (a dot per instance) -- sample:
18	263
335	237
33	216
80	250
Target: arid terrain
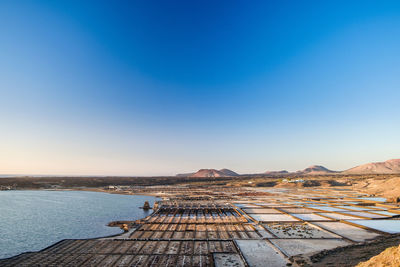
199	133
297	219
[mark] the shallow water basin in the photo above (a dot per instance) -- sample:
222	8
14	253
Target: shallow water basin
387	226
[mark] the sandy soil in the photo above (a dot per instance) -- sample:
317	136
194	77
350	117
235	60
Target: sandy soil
389	257
349	256
388	188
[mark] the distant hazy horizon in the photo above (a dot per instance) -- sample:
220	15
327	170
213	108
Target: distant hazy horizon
3	175
164	87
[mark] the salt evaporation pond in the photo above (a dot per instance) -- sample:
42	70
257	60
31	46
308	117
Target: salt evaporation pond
388	226
378	199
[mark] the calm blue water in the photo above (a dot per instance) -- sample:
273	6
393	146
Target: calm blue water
33	220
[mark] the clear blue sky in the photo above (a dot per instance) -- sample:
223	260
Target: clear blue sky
161	87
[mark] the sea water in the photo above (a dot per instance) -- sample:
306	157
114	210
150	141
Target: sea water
33	220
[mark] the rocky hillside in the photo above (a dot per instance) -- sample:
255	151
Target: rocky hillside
228	172
210	173
389	166
276	172
315	170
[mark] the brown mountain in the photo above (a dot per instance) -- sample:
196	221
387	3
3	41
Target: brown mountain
276	172
229	172
315	170
389	166
214	173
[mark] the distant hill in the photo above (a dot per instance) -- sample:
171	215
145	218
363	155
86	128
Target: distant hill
389	166
228	172
214	173
210	173
315	170
185	174
386	167
276	172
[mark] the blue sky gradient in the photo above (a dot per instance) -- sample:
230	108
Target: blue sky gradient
161	87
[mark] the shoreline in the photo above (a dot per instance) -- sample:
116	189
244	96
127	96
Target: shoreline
107	224
86	190
107	191
233	220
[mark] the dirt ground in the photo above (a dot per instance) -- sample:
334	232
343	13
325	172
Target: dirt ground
389	257
388	188
349	256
